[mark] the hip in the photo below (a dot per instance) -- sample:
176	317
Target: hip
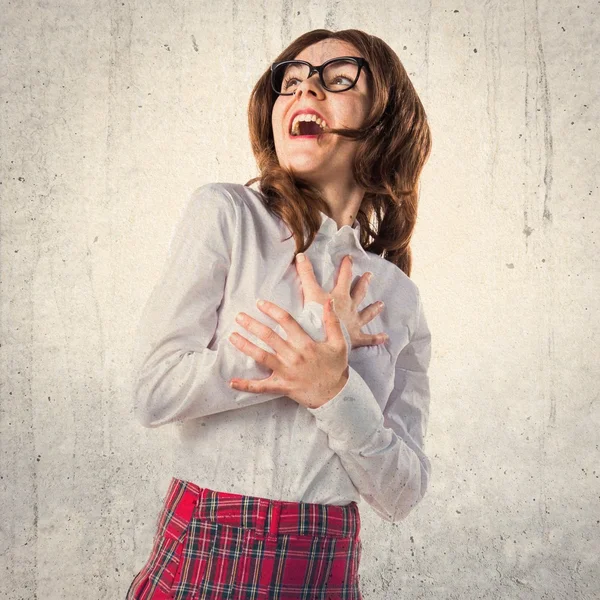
211	544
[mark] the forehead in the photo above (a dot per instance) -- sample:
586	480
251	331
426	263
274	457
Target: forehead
324	50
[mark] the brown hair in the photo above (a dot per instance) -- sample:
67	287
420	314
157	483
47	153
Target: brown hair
394	144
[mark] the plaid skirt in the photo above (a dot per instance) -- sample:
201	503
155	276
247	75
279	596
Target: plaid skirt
219	545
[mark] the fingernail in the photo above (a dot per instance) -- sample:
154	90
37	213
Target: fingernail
369	276
350	259
300	257
380	304
260	302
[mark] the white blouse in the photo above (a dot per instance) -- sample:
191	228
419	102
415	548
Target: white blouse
226	252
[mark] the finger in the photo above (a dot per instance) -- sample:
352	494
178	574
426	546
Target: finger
372	340
261	356
344	278
370	312
310	286
333	329
260	386
360	289
265	333
294	330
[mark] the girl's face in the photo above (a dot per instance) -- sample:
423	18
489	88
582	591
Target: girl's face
331	158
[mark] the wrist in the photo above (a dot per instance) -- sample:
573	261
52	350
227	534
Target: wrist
338	387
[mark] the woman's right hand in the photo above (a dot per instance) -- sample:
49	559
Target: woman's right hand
346	301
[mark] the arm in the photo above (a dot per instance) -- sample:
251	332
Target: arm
176	375
383	451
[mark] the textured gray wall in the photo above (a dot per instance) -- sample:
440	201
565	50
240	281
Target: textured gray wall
111	113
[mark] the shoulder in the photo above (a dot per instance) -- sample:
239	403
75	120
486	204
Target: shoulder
406	282
210	209
398	278
227	194
217	193
220	202
400	293
252	212
234	206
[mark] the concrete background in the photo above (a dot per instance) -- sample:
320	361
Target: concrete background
113	112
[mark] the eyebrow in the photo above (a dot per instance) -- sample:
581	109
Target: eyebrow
324	61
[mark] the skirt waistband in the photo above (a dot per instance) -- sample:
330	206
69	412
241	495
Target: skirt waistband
269	518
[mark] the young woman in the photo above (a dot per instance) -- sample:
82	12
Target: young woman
288	412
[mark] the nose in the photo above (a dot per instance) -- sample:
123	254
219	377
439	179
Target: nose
311	85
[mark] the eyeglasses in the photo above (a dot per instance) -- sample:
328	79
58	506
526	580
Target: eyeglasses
336	75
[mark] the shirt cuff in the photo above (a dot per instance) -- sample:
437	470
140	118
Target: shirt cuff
352	416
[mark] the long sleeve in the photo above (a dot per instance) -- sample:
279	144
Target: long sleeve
383	451
176	375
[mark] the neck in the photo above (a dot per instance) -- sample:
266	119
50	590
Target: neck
344	199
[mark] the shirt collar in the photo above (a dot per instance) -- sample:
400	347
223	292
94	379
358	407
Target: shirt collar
346	237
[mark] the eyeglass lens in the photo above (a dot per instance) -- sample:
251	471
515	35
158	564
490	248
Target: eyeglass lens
339	75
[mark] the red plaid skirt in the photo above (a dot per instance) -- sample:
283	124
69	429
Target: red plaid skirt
218	545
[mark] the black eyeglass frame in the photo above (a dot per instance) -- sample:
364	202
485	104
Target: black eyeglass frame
360	61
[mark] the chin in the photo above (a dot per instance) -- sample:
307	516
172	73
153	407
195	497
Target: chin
313	176
307	163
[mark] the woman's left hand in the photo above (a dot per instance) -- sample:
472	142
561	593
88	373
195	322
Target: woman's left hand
309	372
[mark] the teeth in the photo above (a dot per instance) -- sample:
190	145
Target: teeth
307	117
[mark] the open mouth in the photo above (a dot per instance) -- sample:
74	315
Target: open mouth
305	128
307	125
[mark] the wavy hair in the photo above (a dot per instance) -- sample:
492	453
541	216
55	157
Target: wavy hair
393	145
